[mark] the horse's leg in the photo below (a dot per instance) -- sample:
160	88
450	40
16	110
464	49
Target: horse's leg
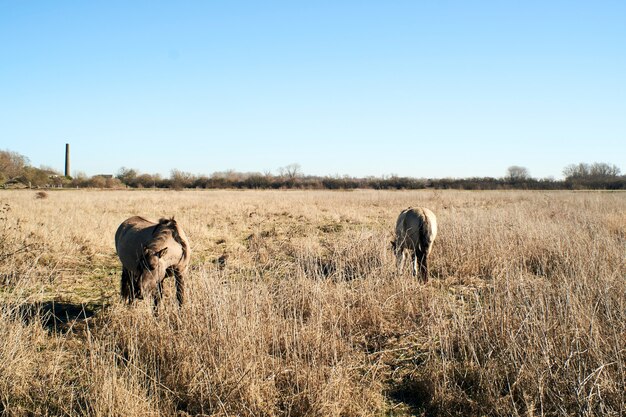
425	246
414	262
419	262
180	286
424	266
158	295
399	260
125	286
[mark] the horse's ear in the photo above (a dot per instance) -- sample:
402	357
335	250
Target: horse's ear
161	252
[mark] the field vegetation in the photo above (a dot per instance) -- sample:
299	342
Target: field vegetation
15	172
295	307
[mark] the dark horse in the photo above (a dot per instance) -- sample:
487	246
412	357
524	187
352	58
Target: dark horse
149	252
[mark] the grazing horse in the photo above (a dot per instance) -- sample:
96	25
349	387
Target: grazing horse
416	229
149	252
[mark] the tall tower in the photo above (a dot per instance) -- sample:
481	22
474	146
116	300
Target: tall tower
67	159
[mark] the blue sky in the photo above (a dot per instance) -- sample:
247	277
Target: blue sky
424	89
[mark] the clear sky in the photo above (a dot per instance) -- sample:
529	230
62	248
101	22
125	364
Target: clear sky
417	88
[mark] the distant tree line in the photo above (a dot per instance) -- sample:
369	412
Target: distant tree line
16	171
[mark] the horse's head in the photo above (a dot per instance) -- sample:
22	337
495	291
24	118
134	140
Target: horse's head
393	242
151	272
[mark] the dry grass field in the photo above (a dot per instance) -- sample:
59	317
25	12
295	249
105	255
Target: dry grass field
306	315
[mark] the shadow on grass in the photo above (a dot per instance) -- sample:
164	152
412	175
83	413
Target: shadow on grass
416	395
57	316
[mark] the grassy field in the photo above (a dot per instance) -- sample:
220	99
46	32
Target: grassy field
524	314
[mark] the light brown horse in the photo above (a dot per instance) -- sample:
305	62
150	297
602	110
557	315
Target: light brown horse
416	229
149	252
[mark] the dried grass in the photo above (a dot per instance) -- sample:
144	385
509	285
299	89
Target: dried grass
525	313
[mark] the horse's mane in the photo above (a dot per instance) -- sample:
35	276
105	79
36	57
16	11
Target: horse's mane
171	225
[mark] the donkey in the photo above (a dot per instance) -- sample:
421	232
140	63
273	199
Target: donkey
416	229
149	252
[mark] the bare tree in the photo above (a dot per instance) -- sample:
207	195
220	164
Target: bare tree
601	169
35	176
126	175
517	173
291	171
181	179
576	170
49	170
11	164
587	171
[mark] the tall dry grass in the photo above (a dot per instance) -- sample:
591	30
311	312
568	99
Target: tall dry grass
525	313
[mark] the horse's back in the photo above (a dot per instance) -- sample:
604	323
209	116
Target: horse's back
416	226
134	233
